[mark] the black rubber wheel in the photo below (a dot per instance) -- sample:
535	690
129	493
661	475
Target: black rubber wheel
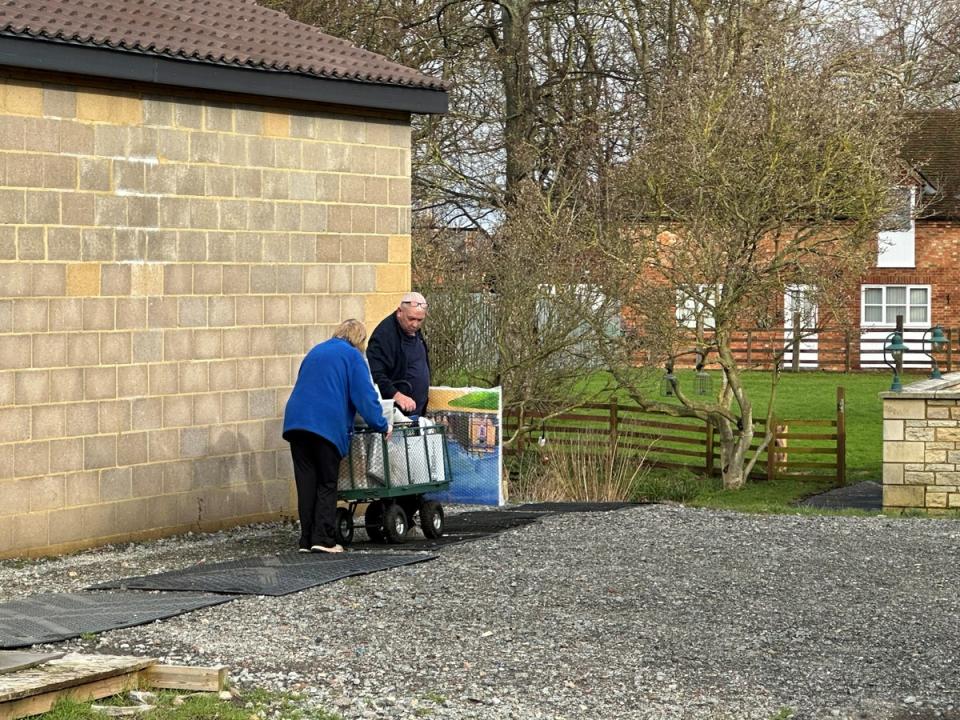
431	519
395	523
373	520
343	527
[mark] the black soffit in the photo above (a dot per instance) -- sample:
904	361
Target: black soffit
61	57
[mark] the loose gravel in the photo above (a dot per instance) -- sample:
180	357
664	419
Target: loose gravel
649	612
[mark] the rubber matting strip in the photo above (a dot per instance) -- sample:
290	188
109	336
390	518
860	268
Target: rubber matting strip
479	524
267	574
60	616
577	507
865	495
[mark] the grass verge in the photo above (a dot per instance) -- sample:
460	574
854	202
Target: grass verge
171	705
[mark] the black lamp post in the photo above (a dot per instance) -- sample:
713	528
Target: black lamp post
895	347
937	341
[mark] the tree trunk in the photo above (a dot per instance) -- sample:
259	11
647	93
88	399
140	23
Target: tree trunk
518	94
735	458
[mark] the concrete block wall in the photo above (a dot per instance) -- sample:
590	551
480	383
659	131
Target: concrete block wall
921	445
165	262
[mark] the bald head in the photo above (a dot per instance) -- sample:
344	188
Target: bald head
413	298
411	312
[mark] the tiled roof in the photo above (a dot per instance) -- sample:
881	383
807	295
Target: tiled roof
237	33
933	149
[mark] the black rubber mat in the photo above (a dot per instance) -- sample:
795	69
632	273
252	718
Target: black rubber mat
60	616
267	574
478	524
490	521
567	507
866	495
464	527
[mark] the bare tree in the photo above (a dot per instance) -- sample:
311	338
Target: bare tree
766	162
917	42
519	309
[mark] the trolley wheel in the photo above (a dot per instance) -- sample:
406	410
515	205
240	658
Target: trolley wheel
373	521
343	527
431	519
410	505
395	523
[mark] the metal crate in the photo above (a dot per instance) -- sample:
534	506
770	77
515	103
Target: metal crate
413	461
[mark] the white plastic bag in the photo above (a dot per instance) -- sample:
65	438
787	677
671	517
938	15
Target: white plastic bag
434	446
358	457
396	459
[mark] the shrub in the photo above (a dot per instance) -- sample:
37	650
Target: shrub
577	473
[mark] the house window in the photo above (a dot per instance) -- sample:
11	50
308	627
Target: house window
896	241
882	304
696	303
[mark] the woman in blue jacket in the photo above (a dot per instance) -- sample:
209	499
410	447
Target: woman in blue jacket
333	385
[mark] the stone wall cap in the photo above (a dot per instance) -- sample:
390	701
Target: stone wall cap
945	388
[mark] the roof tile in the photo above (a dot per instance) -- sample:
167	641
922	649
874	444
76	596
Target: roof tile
229	32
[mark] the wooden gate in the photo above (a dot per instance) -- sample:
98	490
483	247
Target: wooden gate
801	448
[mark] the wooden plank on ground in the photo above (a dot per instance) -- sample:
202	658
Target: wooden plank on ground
34	690
70	670
185	677
13	660
38	704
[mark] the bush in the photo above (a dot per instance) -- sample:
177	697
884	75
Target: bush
587	474
661	485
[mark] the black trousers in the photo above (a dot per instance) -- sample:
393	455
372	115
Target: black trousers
316	462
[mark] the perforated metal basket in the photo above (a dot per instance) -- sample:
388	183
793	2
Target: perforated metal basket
414	460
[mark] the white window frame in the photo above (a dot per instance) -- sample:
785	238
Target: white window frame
689	307
897	248
906	317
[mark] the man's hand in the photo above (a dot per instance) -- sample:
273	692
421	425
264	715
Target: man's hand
405	402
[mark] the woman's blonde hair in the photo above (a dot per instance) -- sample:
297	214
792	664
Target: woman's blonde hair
353	332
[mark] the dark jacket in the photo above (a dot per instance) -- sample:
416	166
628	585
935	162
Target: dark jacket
333	385
388	364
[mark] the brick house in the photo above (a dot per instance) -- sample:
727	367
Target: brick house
192	194
916	275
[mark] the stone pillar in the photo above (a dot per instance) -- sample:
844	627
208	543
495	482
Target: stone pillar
921	445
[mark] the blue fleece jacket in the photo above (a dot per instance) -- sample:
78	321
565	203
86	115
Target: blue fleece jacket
333	385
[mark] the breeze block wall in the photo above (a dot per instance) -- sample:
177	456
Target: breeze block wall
165	263
921	445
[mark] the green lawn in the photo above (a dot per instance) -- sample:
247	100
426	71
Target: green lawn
804	395
812	395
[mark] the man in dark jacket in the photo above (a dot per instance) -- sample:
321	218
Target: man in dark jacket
398	357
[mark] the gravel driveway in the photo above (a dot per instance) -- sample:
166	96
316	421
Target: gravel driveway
649	612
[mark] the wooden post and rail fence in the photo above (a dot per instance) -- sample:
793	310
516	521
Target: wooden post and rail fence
800	448
841	349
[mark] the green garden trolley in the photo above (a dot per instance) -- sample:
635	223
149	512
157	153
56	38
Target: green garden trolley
393	476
